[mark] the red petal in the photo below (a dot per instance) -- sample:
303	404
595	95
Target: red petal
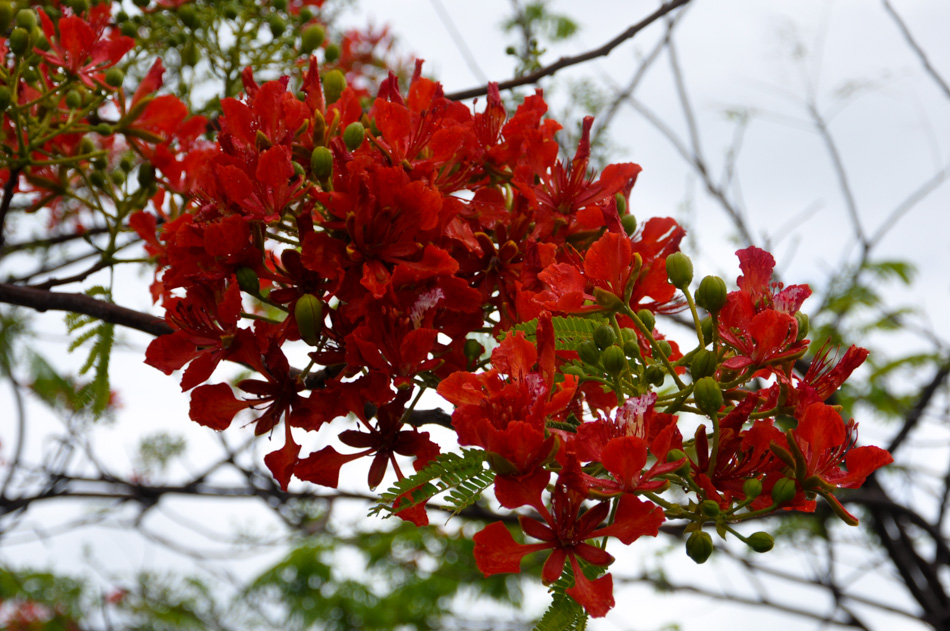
496	551
597	597
634	519
323	467
214	405
281	462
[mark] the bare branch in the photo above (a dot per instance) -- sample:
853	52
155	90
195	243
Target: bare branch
566	62
917	49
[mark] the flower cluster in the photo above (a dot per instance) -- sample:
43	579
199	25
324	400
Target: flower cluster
395	238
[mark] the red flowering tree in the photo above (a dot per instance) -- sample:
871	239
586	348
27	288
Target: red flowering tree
352	238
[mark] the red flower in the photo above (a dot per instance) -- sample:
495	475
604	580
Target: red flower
81	47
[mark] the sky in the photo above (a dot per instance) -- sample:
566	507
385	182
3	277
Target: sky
765	62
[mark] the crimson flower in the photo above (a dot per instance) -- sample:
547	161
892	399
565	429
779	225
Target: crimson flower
82	48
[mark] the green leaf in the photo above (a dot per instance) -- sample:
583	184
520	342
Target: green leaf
466	474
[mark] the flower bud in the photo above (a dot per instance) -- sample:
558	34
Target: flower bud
709	508
188	15
331	53
5	97
472	349
707	327
334	82
802	319
114	77
664	347
614	360
679	269
321	163
141	3
98	179
311	38
353	136
783	491
73	100
621	203
711	294
308	313
26	19
654	375
699	546
6	15
276	24
146	176
117	177
752	488
704	364
760	541
189	53
280	5
606	299
629	223
708	395
604	336
649	320
248	281
19	41
589	353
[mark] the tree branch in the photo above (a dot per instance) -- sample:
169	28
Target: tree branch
566	62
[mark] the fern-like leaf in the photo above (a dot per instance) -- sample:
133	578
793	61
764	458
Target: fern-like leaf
465	474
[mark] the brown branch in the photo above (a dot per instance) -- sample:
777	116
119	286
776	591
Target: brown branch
8	186
566	62
43	300
917	49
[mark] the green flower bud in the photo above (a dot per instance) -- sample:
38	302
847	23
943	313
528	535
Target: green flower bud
129	29
146	176
189	53
41	42
188	15
629	223
103	129
752	488
699	546
589	353
709	508
121	17
248	281
230	11
86	146
73	100
334	82
711	294
703	364
353	136
6	96
308	313
677	454
331	53
621	204
321	163
708	395
78	6
280	5
126	163
472	349
98	179
311	38
117	177
783	491
141	3
6	16
606	299
276	24
679	269
26	19
664	347
707	327
114	77
802	319
614	360
604	336
305	15
654	375
19	41
760	541
649	320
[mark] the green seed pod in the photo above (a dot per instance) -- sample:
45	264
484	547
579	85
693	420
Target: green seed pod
614	360
803	324
654	375
276	24
311	38
472	349
5	97
353	136
699	546
189	53
334	82
73	100
708	395
752	488
648	319
26	19
760	541
589	353
783	491
709	508
248	281
664	347
19	41
604	336
679	269
321	163
703	364
629	223
114	77
331	53
308	313
711	294
707	327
